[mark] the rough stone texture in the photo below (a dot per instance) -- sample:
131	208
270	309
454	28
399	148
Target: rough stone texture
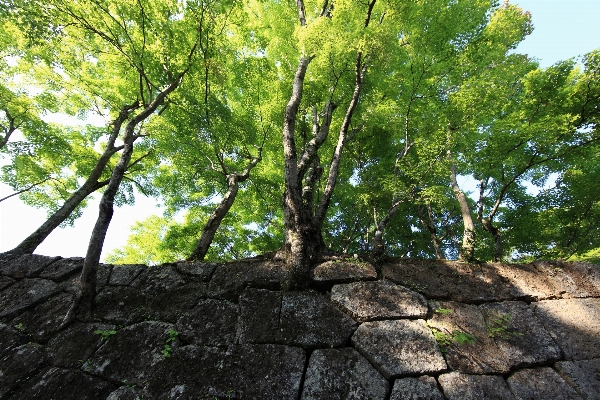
121	305
309	319
157	280
123	275
470	283
24	295
540	384
482	356
6	281
306	319
202	270
230	279
126	393
574	279
458	386
525	342
64	384
210	323
526	283
19	365
340	271
103	273
399	348
72	347
25	266
62	269
368	301
44	320
342	374
129	355
9	339
584	376
246	371
574	324
422	388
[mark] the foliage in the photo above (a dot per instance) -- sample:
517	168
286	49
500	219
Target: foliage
499	327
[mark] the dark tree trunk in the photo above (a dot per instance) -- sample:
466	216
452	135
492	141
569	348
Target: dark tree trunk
497	235
426	217
467	250
92	184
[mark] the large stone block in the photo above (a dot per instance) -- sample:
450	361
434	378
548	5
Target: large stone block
422	388
399	348
584	376
526	283
342	374
130	354
24	295
574	324
60	270
573	279
64	384
241	372
459	386
306	319
210	323
368	301
25	266
541	384
72	347
19	365
158	279
44	320
343	271
230	279
200	270
123	275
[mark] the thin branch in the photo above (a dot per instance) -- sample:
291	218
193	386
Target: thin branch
26	189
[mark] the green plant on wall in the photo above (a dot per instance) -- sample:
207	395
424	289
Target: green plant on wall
498	327
168	349
105	333
445	339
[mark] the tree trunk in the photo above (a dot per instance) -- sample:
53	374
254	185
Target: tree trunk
467	250
214	221
92	184
497	235
428	223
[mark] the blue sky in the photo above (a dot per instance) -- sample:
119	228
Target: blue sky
563	29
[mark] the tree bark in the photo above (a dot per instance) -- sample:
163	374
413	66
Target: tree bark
91	184
467	250
427	221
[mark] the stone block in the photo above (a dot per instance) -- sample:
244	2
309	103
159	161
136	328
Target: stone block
526	283
64	384
230	279
6	281
130	354
369	301
342	374
459	386
399	348
584	376
10	337
241	372
200	270
44	320
519	334
210	323
422	388
158	279
540	384
25	266
19	365
123	275
72	347
566	278
574	324
24	295
340	271
60	270
481	356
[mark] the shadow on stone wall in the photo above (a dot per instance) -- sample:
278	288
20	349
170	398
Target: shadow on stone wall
434	329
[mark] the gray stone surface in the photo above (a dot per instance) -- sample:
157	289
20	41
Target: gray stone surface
343	271
306	319
458	386
525	342
122	305
342	374
158	279
130	355
41	322
584	376
62	269
6	281
573	279
399	348
64	384
369	301
574	324
526	283
126	393
230	279
201	270
123	275
210	323
25	294
72	347
10	337
19	365
25	266
540	384
483	356
422	388
244	371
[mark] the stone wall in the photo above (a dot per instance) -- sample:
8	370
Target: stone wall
421	330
